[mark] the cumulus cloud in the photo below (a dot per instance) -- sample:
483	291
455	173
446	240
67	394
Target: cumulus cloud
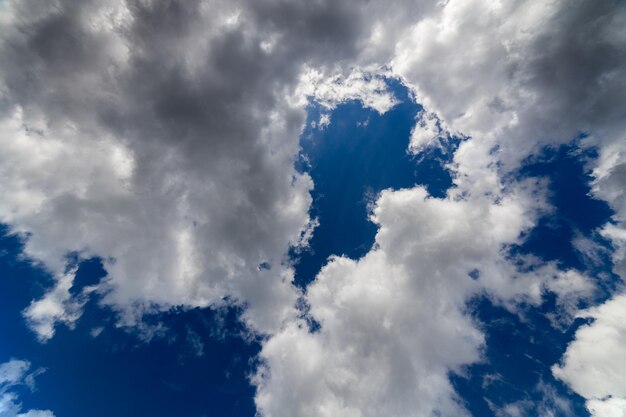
368	87
425	133
12	374
161	136
394	323
513	77
519	76
593	364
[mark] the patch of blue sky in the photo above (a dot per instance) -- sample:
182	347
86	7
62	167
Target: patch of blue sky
576	216
352	159
516	369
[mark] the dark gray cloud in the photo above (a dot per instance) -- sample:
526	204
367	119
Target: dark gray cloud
172	126
197	99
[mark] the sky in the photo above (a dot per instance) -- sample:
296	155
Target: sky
279	208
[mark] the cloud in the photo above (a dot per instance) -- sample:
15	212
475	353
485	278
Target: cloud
593	364
14	373
36	413
425	132
330	90
610	407
58	306
161	136
514	78
394	324
518	76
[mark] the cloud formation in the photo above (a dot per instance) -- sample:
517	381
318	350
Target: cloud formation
394	323
161	136
593	364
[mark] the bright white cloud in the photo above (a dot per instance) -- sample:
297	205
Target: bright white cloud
57	306
425	133
394	323
368	87
609	407
594	363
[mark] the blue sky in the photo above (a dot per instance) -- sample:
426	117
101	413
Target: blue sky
315	209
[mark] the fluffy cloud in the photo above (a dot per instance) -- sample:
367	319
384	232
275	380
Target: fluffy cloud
514	77
368	87
521	73
58	306
518	76
394	323
14	373
593	364
161	136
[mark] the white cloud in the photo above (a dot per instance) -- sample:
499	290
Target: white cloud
515	77
58	306
425	132
36	413
394	323
609	407
161	136
14	373
594	363
329	90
